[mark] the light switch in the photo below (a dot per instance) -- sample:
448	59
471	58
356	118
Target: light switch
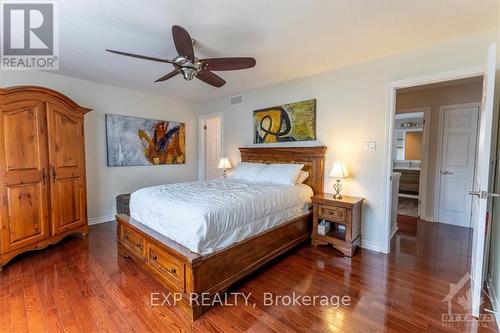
370	146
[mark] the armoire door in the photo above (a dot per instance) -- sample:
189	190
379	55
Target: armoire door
67	169
23	174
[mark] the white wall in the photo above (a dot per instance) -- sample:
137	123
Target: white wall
104	183
352	107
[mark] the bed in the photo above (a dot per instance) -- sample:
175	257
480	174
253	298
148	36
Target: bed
203	258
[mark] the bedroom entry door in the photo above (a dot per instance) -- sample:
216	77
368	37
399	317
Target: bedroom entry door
213	146
481	202
458	158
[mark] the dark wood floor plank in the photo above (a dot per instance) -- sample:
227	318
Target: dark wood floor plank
5	310
52	321
82	285
101	316
34	312
18	315
77	302
15	271
223	324
55	274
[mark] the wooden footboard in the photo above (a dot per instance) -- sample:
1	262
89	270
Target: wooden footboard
193	275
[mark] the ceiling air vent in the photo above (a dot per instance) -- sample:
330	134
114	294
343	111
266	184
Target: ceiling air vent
235	100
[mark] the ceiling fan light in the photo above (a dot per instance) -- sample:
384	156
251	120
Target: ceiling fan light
189	73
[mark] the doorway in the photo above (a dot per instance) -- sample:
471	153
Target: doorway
484	164
433	153
210	146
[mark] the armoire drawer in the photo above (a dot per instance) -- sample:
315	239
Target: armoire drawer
133	241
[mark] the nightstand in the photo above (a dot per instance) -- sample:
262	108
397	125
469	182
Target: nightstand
344	216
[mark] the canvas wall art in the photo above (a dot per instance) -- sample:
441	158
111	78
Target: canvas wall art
285	123
140	141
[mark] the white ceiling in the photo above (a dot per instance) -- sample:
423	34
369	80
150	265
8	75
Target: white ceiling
288	38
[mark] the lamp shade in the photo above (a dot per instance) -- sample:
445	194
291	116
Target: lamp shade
339	170
224	163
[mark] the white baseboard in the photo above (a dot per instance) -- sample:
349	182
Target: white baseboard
101	219
493	300
370	246
428	218
394	230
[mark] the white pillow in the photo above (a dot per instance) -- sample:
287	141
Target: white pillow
248	171
286	174
303	175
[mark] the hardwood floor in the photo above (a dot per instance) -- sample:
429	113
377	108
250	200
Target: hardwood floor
80	285
407	224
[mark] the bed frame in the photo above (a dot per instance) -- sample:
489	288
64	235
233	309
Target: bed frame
193	275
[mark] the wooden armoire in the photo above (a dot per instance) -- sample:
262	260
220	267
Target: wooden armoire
42	169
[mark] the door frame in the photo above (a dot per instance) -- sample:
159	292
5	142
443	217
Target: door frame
201	141
392	88
424	161
437	175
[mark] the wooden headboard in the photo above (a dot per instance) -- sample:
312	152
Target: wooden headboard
313	159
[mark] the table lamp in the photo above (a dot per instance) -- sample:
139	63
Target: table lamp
339	171
224	164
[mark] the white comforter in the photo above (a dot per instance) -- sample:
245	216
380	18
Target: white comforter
209	215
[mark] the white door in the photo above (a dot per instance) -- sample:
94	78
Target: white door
212	147
481	187
458	159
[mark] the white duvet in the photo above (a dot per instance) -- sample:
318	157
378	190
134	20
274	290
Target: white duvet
210	215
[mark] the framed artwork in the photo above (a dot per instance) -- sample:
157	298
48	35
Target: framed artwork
285	123
141	141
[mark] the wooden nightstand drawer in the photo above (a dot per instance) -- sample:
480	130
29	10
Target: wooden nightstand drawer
332	213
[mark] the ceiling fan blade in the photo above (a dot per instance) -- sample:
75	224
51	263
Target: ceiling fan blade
141	57
228	64
168	76
183	42
210	78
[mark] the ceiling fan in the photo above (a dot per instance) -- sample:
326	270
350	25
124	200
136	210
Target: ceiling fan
190	66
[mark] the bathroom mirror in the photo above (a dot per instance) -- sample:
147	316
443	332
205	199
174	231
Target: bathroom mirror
409	146
408	137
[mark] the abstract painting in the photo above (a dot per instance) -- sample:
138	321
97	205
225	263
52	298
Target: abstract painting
140	141
285	123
